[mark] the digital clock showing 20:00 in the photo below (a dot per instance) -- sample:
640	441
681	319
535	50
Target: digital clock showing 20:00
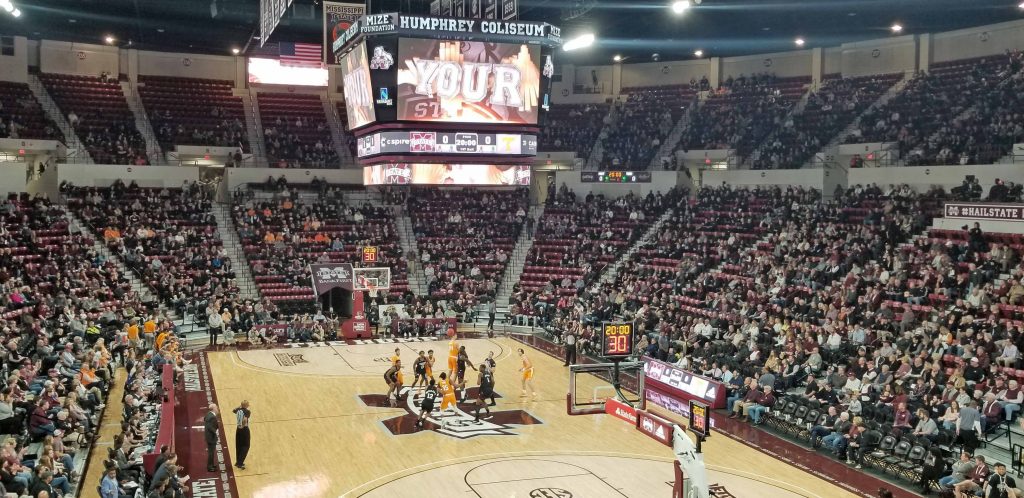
618	339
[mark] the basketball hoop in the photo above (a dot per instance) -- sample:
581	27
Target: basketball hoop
368	284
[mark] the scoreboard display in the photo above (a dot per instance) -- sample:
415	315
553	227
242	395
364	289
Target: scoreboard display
617	339
615	177
438	142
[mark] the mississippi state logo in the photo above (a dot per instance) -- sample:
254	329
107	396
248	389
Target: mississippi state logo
457	423
339	273
421	141
549	67
382	59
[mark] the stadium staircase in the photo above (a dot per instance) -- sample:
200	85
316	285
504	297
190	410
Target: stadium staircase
672	140
247	288
597	153
612	271
407	240
338	140
855	124
153	151
254	128
76	150
516	264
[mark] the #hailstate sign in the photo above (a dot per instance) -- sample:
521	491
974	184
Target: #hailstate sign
984	211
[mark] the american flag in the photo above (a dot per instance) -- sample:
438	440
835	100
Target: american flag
300	54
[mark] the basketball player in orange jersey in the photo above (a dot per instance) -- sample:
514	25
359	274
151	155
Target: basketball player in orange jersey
396	357
430	364
527	374
447	396
453	352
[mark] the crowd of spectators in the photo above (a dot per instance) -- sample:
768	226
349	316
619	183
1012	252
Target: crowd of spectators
643	122
923	118
170	131
742	112
574	241
572	128
850	303
828	112
21	116
282	236
167	236
63	306
465	239
98	112
287	149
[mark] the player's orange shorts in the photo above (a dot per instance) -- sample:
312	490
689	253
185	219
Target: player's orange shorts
448	400
452	362
401	379
430	373
528	374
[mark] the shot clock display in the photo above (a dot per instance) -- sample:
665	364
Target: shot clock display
700	418
617	339
615	176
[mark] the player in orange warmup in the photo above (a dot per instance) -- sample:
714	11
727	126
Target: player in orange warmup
453	352
527	371
447	396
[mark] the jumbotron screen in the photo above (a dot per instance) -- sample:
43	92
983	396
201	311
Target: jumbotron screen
467	81
358	87
446	174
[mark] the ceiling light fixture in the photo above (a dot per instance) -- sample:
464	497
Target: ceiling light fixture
16	13
583	41
109	39
896	28
234	50
680	6
617	58
698	53
799	42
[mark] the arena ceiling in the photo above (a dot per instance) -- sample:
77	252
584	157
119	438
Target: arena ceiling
635	29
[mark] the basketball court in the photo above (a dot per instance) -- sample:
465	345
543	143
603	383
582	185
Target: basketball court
322	427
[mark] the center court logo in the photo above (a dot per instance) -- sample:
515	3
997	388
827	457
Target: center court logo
458	423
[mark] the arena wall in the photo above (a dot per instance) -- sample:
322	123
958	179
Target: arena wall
102	175
237	177
980	41
664	73
15	67
783	64
885	56
78	58
213	67
661	181
13	178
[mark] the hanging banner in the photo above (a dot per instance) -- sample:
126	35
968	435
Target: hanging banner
338	17
330	276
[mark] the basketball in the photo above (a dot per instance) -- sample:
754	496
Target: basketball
451	332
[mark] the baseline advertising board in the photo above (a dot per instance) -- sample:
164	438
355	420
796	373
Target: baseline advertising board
468	81
431	142
445	174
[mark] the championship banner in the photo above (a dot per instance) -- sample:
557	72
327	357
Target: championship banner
331	276
338	17
984	211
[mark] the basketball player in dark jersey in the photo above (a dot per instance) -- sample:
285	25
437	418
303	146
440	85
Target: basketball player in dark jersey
486	380
460	370
419	369
393	380
427	404
491	364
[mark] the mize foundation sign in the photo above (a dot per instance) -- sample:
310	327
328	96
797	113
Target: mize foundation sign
984	211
